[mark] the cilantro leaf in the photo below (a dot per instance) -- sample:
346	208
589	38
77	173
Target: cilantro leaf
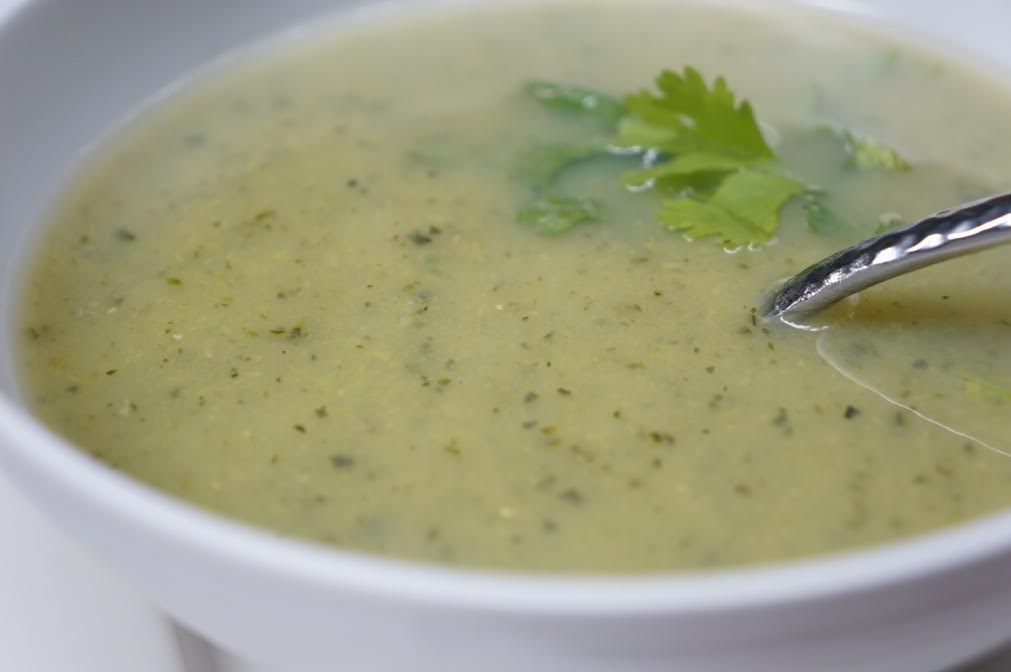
633	132
700	118
743	210
867	154
821	219
709	135
576	99
697	219
554	214
758	196
681	167
541	166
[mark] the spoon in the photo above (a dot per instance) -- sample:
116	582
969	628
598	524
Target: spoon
947	234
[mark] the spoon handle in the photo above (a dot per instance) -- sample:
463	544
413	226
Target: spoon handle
950	233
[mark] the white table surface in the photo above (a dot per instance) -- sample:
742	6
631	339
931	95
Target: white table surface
62	612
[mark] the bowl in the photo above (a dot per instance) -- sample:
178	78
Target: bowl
70	73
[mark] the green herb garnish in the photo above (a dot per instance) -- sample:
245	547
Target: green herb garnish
699	146
820	218
541	166
743	210
576	99
871	155
681	170
698	118
867	154
556	214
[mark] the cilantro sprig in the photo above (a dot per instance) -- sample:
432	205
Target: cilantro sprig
697	144
700	118
743	210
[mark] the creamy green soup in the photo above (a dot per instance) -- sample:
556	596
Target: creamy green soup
297	293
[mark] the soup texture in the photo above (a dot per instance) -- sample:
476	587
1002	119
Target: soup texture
297	293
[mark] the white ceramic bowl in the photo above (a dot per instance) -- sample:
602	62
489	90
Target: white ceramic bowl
69	72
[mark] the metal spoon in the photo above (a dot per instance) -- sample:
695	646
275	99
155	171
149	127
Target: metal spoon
950	233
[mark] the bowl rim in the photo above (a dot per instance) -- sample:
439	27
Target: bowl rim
32	449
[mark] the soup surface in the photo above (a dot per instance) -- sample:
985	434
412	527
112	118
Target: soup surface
297	293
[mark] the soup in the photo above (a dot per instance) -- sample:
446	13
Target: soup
298	293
